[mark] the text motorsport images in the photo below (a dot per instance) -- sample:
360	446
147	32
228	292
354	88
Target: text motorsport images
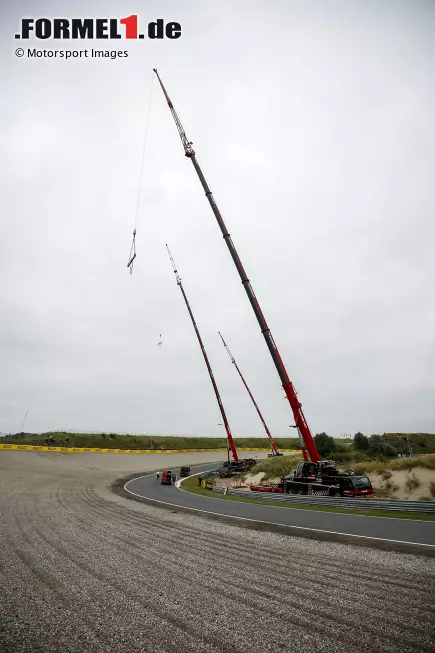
33	53
90	28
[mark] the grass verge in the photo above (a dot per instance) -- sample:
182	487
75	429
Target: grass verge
395	464
191	485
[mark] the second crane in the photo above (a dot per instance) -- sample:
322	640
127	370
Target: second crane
275	451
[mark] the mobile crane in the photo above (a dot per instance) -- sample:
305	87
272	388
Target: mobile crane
308	445
311	455
275	451
323	478
207	362
236	464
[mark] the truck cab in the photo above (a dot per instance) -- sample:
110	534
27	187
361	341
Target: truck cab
166	477
356	486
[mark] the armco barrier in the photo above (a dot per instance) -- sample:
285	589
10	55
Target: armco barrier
338	502
30	447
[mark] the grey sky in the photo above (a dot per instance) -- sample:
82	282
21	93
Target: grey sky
313	122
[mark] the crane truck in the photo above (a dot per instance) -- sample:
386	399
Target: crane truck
324	479
313	471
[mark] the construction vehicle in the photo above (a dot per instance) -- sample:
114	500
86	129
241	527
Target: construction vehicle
323	478
320	479
230	439
236	467
309	449
166	477
275	451
308	446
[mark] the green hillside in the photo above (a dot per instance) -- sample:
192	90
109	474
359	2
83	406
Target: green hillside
370	447
115	441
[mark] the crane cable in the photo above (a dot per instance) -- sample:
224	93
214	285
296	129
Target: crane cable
133	244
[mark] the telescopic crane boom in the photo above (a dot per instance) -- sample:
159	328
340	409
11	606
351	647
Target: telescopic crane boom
301	424
269	435
207	362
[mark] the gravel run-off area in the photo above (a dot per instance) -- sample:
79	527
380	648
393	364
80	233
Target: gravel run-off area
83	569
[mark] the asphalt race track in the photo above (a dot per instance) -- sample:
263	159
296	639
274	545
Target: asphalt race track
392	530
85	570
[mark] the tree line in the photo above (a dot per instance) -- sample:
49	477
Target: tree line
389	445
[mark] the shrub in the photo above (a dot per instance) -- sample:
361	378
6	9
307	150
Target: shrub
390	488
381	493
412	482
428	461
432	488
324	444
360	441
343	456
276	467
389	451
371	466
361	469
375	443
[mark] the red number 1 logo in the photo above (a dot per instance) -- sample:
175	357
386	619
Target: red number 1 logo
130	26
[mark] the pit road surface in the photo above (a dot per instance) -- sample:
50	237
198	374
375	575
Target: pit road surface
83	569
417	532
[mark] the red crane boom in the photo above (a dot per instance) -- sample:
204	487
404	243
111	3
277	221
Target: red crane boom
269	435
301	424
207	362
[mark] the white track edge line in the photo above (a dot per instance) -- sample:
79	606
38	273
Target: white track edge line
302	528
296	507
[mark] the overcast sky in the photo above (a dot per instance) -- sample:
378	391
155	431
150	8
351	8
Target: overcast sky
314	124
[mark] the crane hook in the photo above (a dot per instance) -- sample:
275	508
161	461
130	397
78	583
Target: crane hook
132	253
